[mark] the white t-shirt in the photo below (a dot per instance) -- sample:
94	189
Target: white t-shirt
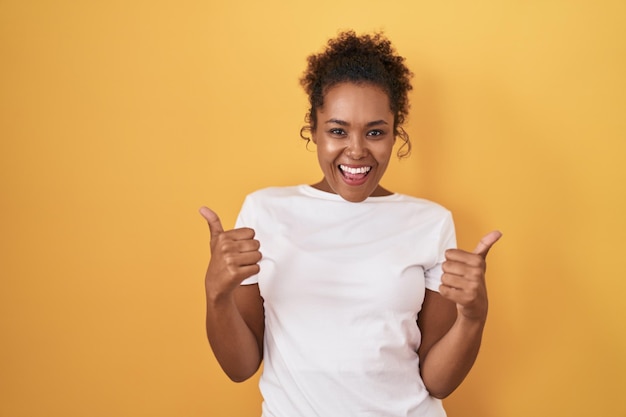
342	285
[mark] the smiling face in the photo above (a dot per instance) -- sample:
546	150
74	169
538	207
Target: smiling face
354	138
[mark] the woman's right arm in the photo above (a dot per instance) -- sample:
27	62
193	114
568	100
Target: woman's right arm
235	317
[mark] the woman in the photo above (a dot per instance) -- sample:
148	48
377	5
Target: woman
358	304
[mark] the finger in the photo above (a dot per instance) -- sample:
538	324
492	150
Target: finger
465	269
452	281
462	257
453	294
248	271
248	245
247	258
215	225
487	242
232	248
241	235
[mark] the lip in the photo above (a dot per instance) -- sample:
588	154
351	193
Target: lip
358	176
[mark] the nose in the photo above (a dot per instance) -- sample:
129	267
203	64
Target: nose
356	147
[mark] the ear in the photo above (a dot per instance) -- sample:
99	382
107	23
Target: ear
314	136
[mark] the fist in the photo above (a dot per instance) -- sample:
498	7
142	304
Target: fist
234	256
463	279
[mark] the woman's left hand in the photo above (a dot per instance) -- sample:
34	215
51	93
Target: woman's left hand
463	279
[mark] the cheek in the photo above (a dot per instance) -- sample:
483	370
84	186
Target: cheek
328	148
325	154
383	152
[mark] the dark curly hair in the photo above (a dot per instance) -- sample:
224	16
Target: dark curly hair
369	59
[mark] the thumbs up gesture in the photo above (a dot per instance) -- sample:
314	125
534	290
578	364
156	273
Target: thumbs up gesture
463	279
234	256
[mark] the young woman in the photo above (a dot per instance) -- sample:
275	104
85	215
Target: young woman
352	296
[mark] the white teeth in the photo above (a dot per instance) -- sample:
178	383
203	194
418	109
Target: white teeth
353	171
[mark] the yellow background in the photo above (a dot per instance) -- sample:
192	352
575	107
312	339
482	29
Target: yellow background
118	119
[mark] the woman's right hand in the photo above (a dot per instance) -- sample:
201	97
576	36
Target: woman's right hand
235	315
234	257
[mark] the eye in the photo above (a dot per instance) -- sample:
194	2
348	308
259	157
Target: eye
375	133
336	131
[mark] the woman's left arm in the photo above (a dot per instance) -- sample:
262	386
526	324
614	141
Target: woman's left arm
452	321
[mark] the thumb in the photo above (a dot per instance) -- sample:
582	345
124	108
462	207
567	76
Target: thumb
215	225
487	242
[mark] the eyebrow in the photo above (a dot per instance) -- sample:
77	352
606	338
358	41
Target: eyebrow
344	123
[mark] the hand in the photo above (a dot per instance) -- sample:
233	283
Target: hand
463	279
234	256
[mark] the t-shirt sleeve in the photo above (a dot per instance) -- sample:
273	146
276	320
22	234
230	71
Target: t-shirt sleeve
447	240
246	218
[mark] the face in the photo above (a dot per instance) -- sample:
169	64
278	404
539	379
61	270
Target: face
354	138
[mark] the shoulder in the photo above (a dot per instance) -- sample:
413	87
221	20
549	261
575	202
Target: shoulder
274	192
272	197
422	206
293	196
264	202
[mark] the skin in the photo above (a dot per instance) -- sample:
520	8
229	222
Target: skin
355	130
235	315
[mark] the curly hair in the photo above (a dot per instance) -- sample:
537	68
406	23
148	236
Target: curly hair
369	59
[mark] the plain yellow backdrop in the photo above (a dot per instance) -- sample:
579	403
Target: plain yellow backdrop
118	119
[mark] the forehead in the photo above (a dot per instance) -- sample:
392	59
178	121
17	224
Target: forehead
356	101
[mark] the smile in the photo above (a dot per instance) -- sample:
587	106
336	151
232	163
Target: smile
354	176
346	170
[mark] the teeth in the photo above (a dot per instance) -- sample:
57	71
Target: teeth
353	171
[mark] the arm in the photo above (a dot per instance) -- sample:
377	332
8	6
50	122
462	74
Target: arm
234	327
452	321
449	345
235	316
